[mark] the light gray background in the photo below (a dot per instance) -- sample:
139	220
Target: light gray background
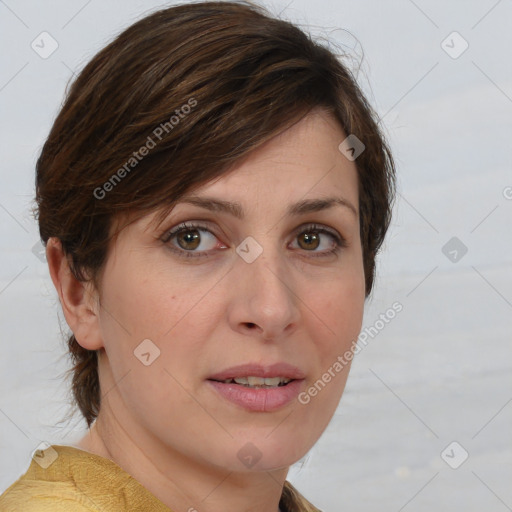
440	371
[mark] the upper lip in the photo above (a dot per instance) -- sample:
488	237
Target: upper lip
257	370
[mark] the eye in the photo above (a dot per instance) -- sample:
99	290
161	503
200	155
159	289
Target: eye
190	239
312	236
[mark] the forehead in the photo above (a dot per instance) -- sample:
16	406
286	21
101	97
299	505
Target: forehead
304	159
302	162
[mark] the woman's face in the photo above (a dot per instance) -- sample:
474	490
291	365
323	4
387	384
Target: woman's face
254	284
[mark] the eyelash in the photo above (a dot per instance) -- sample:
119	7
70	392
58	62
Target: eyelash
340	242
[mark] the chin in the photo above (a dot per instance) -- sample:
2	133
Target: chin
264	452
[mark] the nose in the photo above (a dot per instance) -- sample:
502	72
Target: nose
263	302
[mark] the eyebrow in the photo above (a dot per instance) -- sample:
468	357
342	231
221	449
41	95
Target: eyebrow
299	208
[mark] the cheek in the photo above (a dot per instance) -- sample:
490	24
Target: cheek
144	300
333	328
151	303
152	324
339	305
338	308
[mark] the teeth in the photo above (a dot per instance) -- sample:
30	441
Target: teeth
252	382
256	381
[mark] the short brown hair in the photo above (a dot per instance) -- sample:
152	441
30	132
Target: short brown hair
206	83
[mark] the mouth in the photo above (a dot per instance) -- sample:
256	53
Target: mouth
254	374
257	382
259	388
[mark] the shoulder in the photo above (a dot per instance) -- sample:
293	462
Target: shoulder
68	479
57	480
33	496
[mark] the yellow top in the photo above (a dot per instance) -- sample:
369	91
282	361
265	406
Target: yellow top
67	479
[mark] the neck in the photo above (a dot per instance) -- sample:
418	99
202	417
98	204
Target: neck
178	481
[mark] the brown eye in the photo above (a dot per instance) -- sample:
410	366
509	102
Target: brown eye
318	240
192	240
309	240
189	239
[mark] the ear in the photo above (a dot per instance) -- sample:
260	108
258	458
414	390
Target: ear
79	300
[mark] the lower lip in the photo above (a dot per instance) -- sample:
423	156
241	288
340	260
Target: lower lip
259	399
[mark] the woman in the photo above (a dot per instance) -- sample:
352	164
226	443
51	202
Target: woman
212	197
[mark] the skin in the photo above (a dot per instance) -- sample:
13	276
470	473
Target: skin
163	423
